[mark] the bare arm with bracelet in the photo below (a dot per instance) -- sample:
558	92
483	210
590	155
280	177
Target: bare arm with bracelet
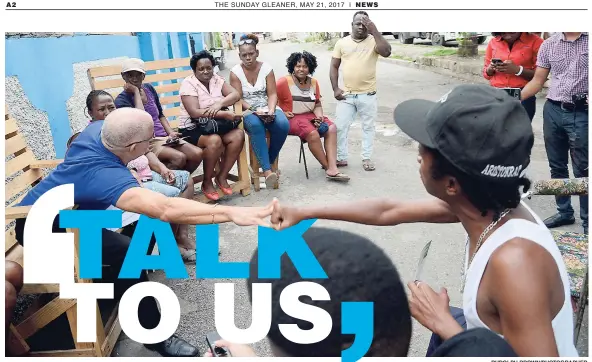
178	210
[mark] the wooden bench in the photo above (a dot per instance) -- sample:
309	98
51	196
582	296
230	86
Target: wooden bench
25	172
573	246
172	72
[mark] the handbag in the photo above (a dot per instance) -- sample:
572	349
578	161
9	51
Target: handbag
209	126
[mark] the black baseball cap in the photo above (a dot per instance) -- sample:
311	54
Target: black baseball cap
479	129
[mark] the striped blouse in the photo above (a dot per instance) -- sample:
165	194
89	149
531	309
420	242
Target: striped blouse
292	98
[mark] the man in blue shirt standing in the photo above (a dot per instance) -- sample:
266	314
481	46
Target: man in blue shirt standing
96	165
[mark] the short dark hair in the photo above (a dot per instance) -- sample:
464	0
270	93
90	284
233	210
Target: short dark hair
204	54
309	59
361	12
92	96
485	195
357	270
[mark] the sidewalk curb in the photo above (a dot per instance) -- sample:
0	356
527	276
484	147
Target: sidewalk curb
447	67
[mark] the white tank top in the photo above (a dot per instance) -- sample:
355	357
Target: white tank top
538	233
254	95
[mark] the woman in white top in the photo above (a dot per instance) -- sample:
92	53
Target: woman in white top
256	82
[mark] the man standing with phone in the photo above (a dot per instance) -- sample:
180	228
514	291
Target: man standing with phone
357	55
565	116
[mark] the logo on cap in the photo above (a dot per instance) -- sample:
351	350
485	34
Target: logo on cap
501	171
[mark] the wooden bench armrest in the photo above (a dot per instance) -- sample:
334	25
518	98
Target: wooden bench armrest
17	212
238	108
45	163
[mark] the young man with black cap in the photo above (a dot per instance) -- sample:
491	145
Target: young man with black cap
475	143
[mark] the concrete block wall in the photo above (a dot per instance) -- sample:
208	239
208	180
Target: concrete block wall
46	81
45	72
33	123
76	104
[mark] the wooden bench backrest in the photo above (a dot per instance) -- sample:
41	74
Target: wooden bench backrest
22	158
165	75
20	177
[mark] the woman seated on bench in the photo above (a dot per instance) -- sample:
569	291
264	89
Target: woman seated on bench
208	122
178	156
299	96
257	82
149	171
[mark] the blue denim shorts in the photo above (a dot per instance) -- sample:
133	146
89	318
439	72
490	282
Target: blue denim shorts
158	184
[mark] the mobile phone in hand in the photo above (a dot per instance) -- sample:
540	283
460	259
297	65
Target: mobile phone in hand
497	61
211	339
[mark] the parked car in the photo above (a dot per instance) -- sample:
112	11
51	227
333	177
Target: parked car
437	38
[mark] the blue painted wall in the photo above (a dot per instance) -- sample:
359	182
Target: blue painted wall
199	41
44	69
44	66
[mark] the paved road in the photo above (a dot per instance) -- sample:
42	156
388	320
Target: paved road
422	47
396	176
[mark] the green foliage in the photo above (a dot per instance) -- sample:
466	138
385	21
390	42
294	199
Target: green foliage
442	52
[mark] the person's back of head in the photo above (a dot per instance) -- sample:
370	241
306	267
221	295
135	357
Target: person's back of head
126	126
475	144
358	271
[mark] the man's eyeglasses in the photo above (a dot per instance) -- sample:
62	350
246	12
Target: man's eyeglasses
246	41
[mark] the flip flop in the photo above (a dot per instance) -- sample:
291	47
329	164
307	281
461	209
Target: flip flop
225	190
338	177
368	165
271	180
211	195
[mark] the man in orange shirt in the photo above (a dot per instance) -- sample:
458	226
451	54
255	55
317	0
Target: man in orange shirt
510	61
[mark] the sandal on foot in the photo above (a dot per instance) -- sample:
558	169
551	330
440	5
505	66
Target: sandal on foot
225	190
368	165
341	163
338	177
211	195
271	180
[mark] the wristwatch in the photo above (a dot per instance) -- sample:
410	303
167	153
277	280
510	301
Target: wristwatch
520	71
